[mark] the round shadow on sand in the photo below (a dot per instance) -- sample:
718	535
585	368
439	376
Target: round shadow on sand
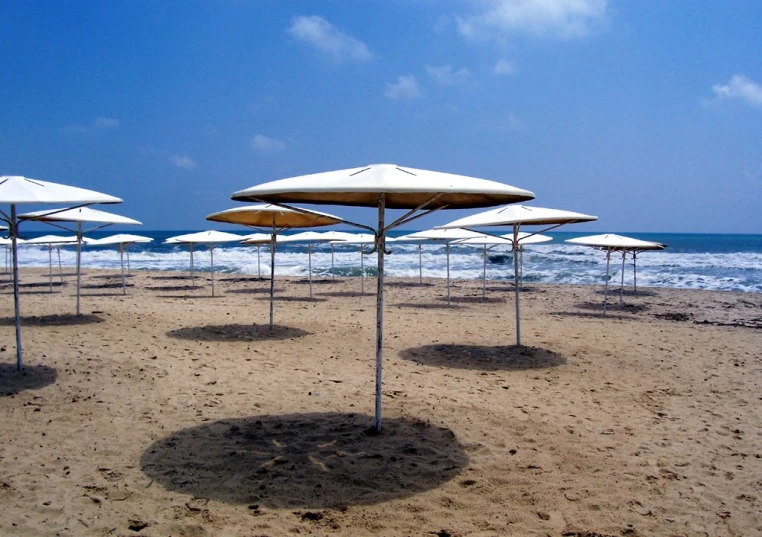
293	299
484	357
32	377
52	320
237	332
314	460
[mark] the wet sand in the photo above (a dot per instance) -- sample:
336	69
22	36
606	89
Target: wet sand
170	412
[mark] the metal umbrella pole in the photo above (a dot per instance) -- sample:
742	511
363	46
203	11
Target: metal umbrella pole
272	271
333	273
15	261
381	247
621	289
211	254
606	292
50	266
420	264
516	283
79	262
447	249
60	268
121	262
309	265
484	272
362	271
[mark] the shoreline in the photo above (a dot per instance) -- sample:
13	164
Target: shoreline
173	409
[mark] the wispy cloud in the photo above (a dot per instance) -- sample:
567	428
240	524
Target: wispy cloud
406	87
563	19
447	76
183	162
264	144
329	40
739	88
504	67
98	124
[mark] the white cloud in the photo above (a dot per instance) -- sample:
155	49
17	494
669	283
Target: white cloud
563	19
183	162
406	87
512	123
504	67
329	40
446	76
264	144
98	124
740	87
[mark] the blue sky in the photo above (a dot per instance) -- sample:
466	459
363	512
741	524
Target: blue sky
645	113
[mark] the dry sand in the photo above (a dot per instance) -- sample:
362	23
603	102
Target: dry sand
168	412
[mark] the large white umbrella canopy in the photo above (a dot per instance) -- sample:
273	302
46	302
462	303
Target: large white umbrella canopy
517	216
276	219
211	238
53	241
79	215
611	242
15	190
256	239
124	240
448	236
385	186
488	242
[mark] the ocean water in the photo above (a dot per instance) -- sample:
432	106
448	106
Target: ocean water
691	261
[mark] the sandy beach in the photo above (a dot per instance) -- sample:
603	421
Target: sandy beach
168	412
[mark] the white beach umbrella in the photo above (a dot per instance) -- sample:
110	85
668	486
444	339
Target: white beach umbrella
16	190
447	236
611	242
276	219
79	215
331	237
362	239
53	241
517	216
419	242
256	239
487	242
124	241
385	186
205	237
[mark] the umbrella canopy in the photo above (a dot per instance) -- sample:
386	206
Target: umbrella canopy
124	241
15	190
266	215
79	215
46	240
611	242
204	237
277	219
448	236
385	186
516	216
